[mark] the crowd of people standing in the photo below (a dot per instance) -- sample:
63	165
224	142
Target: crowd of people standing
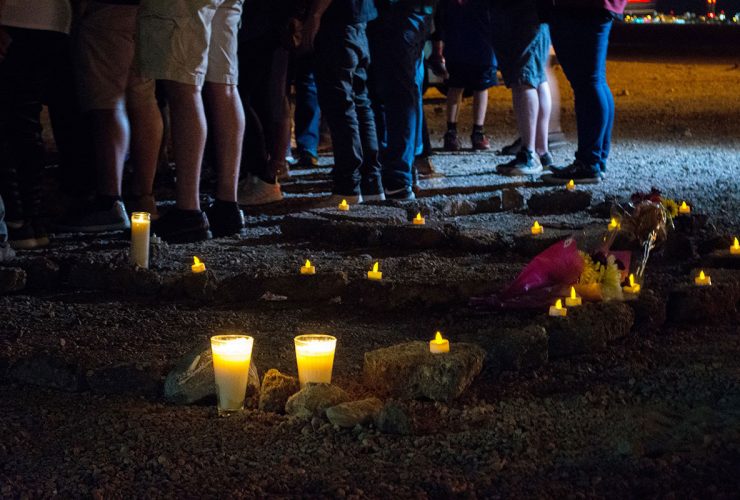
223	70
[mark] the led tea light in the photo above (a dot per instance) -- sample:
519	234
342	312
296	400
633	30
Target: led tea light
614	225
375	275
735	248
232	355
703	279
198	266
419	220
684	209
537	229
308	268
315	358
558	310
140	228
574	300
344	206
633	288
439	345
571	186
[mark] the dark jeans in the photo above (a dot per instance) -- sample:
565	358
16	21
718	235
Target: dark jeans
342	58
581	42
307	112
396	42
3	226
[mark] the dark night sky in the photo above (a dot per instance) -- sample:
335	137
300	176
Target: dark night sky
698	6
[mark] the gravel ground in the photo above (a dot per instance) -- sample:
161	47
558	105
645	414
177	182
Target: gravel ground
652	416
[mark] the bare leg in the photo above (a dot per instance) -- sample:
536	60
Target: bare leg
146	137
526	105
111	134
552	79
543	118
189	131
227	119
480	105
454	96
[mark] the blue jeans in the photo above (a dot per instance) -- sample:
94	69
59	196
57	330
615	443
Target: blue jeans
581	42
342	59
307	112
396	43
3	226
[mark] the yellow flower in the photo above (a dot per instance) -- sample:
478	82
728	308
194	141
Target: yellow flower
670	206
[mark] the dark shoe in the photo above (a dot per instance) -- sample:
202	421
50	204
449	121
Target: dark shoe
372	189
307	160
225	218
511	149
451	142
424	166
403	194
93	218
143	203
182	226
578	171
556	140
24	237
524	163
546	161
479	142
6	252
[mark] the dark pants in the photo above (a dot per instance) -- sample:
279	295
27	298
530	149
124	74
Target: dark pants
3	226
307	112
581	42
342	59
396	43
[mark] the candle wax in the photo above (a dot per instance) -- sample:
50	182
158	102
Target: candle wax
232	355
315	358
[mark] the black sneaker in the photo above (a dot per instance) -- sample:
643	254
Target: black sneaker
511	149
95	218
403	194
546	161
23	236
371	189
182	226
524	163
578	171
225	218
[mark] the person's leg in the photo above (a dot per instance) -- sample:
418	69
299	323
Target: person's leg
526	110
146	136
111	133
554	127
227	124
307	113
543	118
454	99
279	138
480	105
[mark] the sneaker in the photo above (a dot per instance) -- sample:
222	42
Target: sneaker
578	171
254	191
23	237
403	194
546	161
479	142
451	142
6	252
524	163
371	189
282	171
91	218
182	226
225	218
424	166
556	140
307	160
511	149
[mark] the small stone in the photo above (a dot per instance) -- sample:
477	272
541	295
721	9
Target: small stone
511	199
46	370
275	390
313	399
198	286
559	201
12	279
588	328
354	413
393	419
410	371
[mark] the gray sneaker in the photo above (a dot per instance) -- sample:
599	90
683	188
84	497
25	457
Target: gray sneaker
96	221
524	163
546	161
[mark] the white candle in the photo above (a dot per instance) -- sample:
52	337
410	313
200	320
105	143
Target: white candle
232	355
574	300
439	345
315	358
140	225
558	310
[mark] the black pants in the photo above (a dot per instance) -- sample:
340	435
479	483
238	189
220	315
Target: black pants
342	59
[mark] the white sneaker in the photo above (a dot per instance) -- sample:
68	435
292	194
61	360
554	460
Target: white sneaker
255	191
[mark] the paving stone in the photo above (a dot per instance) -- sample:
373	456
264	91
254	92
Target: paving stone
559	201
723	259
588	328
410	371
511	349
275	391
348	415
47	370
310	288
126	378
650	311
511	199
42	274
706	304
134	280
87	274
389	295
531	245
314	399
12	279
407	235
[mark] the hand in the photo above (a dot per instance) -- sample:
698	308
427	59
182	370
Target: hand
310	28
438	67
5	42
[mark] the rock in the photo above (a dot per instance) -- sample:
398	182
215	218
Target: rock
514	348
724	259
43	274
135	280
410	371
407	235
275	391
312	400
46	370
393	419
559	201
511	199
489	204
87	274
126	378
192	379
12	279
321	286
354	413
588	328
707	304
198	286
649	309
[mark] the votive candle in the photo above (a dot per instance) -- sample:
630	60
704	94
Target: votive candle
140	229
315	358
232	355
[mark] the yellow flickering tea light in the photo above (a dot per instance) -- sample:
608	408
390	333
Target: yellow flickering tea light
198	266
375	275
419	220
633	288
308	268
315	358
574	300
571	186
735	248
232	355
558	310
684	209
703	279
140	226
344	206
614	225
537	229
439	345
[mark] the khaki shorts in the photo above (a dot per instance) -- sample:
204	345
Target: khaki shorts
105	59
189	41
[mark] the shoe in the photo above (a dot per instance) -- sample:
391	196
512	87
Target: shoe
93	218
524	163
182	226
6	252
24	236
511	149
451	142
403	194
225	218
479	142
282	171
307	160
578	171
546	161
254	191
556	140
143	203
372	190
424	166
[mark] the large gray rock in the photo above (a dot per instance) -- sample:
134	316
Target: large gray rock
354	413
393	419
46	370
12	279
312	400
275	391
559	201
192	379
588	328
513	348
410	371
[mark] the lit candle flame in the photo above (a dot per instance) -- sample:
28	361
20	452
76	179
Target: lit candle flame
632	279
375	267
308	263
702	276
438	338
536	225
684	208
196	261
558	304
614	223
572	292
418	217
571	184
344	203
736	244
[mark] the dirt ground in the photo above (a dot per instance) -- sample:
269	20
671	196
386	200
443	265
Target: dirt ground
656	414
